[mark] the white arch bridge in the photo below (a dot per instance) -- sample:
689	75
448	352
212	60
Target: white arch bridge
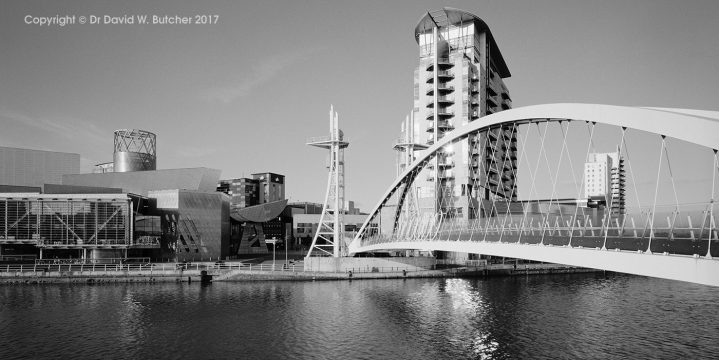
622	189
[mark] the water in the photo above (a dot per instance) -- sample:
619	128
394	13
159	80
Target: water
553	317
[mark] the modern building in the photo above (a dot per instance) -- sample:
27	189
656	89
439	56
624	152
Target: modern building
127	208
141	182
306	217
260	189
604	181
78	226
259	196
27	167
194	224
459	80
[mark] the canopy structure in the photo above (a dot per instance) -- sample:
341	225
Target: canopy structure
259	213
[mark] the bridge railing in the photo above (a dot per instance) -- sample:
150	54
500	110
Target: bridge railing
683	229
146	267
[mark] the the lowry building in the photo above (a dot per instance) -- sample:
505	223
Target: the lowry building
129	209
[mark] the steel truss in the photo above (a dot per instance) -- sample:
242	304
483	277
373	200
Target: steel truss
329	238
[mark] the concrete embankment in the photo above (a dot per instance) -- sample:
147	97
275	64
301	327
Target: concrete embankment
97	277
486	271
147	276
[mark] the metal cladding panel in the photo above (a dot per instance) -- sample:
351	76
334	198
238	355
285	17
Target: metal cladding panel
73	189
133	161
204	225
140	182
26	167
45	221
166	199
260	213
20	189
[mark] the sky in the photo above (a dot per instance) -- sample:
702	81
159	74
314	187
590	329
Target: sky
245	94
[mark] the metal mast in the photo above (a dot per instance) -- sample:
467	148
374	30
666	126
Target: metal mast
330	230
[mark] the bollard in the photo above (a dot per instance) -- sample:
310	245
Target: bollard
205	279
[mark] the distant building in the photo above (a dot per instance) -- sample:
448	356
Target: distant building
260	189
604	179
27	167
306	218
247	193
304	226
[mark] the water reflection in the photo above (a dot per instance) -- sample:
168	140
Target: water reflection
572	316
131	320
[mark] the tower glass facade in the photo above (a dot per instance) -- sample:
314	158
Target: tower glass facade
459	80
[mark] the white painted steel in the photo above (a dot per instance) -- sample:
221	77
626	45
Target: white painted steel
695	126
693	269
331	219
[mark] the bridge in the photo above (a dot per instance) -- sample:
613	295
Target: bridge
625	189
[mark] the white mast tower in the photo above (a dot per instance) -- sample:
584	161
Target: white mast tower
331	226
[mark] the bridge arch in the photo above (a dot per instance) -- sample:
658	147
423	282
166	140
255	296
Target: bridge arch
502	217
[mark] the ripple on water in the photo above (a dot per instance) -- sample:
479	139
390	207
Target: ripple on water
554	317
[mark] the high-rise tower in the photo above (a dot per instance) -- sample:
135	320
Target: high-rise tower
604	179
459	80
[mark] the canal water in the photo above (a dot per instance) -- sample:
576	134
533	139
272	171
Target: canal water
551	317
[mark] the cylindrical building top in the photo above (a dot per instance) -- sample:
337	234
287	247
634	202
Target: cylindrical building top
135	150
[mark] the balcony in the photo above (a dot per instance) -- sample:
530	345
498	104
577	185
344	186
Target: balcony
491	91
403	144
491	102
474	89
441	88
442	75
445	125
442	100
475	114
441	114
442	64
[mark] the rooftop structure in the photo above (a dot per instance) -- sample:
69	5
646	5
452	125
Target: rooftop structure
198	179
28	167
135	150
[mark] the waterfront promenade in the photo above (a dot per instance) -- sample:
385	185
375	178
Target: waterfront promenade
238	271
